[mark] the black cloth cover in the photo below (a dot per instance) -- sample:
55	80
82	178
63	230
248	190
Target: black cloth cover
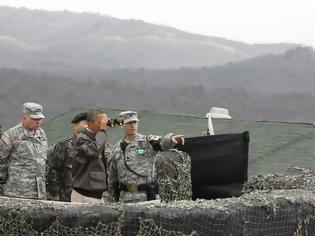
219	164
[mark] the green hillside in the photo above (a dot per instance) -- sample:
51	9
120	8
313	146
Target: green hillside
274	146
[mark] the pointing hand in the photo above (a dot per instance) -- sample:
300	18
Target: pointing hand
178	139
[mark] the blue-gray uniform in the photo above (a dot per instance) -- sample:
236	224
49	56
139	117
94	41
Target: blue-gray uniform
132	167
23	157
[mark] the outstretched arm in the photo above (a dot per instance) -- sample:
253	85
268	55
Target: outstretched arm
165	143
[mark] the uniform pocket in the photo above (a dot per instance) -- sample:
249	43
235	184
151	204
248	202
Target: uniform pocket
41	187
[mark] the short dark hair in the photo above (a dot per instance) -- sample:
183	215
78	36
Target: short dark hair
91	116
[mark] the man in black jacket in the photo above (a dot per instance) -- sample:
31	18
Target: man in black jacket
88	167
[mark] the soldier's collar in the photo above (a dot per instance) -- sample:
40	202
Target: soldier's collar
30	133
137	138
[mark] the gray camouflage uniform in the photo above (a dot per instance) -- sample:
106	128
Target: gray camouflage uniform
137	165
23	157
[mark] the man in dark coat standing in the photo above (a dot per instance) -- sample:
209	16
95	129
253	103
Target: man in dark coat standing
89	179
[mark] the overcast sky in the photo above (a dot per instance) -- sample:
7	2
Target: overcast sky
251	21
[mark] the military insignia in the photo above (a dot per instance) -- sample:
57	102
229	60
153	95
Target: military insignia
140	151
6	140
141	144
153	138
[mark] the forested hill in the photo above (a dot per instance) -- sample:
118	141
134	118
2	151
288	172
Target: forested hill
274	88
78	43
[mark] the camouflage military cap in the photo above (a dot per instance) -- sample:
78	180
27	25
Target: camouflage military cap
128	116
79	117
34	110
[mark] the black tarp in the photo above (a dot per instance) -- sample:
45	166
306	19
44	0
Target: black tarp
219	164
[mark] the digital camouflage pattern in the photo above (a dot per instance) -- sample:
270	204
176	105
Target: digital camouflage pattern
108	154
137	166
23	157
59	161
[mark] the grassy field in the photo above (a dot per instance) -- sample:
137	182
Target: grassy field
274	146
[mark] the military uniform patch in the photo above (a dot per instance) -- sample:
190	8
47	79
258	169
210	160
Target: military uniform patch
153	138
6	140
141	152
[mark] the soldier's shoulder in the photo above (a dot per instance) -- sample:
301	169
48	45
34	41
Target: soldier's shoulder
14	133
63	144
64	141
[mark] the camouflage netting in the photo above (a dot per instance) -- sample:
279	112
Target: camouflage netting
282	204
173	169
275	212
293	178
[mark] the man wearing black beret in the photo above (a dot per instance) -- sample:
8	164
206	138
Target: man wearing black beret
81	117
59	162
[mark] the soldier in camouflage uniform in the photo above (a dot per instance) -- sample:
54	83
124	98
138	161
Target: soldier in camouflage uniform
23	156
132	166
59	162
